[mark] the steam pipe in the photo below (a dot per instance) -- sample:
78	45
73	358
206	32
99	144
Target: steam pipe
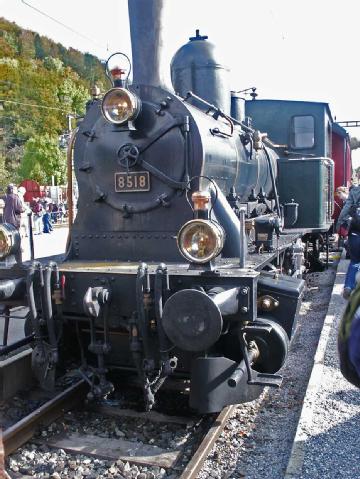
143	322
146	29
228	220
48	310
31	298
243	242
161	274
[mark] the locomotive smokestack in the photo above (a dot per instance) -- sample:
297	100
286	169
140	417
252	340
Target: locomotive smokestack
146	29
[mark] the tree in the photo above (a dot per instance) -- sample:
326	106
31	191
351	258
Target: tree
4	178
43	159
40	83
13	160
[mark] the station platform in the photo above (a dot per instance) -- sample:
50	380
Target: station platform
327	444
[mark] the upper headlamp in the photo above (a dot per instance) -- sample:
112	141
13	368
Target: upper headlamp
200	240
9	240
120	105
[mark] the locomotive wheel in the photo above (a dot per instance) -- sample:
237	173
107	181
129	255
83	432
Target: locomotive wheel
273	346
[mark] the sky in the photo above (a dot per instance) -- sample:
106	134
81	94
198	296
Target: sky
288	49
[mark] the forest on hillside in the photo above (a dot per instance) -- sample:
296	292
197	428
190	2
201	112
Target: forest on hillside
41	82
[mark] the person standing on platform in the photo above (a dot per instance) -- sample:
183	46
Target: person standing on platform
37	210
349	340
24	219
13	207
61	213
351	211
54	213
47	221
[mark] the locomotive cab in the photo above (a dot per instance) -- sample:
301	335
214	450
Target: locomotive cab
306	168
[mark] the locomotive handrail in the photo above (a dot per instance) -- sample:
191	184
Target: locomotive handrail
69	157
230	119
216	110
272	176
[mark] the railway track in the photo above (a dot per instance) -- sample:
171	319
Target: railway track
24	430
199	457
207	428
19	433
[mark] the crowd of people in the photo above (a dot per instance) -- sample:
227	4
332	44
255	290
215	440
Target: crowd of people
43	211
45	214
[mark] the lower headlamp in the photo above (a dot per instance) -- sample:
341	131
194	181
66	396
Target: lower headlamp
9	240
200	241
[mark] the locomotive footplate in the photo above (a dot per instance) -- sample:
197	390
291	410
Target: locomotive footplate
259	260
121	276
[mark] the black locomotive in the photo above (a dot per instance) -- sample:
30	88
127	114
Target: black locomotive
183	259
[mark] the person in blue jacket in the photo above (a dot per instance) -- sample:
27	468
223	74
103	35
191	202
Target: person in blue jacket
349	340
351	213
47	221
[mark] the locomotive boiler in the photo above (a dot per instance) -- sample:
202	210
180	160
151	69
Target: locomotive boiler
162	276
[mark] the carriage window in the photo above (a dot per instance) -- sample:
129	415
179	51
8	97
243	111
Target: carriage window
302	132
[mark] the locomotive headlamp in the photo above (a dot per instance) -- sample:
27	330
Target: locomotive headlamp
120	105
200	241
9	240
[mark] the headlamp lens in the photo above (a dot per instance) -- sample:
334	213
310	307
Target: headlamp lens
9	240
200	241
120	105
3	244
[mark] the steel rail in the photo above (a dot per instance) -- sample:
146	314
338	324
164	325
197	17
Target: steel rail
19	433
193	467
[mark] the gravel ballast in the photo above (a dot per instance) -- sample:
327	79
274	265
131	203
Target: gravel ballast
330	432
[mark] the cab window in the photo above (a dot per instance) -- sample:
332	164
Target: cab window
302	131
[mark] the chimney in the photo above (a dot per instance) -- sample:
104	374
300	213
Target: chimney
146	29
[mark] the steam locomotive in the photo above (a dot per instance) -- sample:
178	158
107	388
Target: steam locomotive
186	254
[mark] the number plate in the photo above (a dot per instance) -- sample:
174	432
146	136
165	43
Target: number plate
132	181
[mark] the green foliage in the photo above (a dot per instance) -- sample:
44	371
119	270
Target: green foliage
43	159
13	161
40	83
4	177
54	64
